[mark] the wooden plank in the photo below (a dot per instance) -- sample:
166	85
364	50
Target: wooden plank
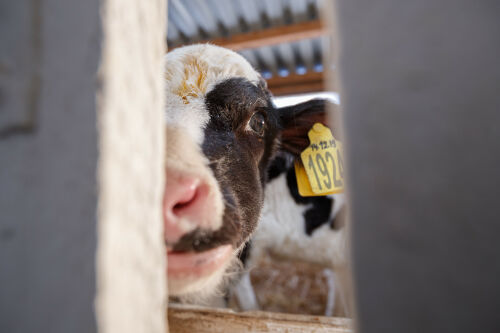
298	89
297	84
271	36
187	319
295	79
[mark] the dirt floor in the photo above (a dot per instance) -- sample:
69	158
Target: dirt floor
295	287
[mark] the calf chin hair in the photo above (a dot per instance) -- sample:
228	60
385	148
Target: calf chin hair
215	285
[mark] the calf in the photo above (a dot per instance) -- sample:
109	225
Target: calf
223	132
309	229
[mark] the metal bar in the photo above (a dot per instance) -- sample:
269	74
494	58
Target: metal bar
272	36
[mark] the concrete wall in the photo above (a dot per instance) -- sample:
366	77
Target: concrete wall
48	149
56	169
420	92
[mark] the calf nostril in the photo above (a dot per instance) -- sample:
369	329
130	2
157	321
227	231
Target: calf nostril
187	205
186	202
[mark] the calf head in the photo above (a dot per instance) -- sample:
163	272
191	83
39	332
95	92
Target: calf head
222	133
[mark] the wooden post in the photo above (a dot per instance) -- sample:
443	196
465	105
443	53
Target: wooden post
74	172
131	256
187	319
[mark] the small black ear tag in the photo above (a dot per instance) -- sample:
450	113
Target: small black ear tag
320	170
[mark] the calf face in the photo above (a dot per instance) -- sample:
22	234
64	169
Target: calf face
222	133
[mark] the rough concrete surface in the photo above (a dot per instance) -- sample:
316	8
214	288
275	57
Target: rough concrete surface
420	92
71	167
131	255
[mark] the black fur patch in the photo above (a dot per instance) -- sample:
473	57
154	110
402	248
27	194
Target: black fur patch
279	165
319	213
239	159
245	253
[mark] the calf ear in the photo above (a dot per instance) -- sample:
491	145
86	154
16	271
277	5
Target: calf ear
297	120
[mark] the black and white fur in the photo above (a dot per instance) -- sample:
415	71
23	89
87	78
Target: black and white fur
213	97
310	229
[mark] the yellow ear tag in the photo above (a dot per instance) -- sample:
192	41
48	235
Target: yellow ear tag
321	171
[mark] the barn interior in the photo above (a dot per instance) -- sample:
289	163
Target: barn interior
288	42
283	40
83	153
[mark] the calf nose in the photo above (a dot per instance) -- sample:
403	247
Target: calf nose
186	206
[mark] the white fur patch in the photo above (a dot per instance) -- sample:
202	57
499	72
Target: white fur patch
282	229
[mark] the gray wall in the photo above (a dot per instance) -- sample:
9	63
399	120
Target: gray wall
48	154
420	89
82	142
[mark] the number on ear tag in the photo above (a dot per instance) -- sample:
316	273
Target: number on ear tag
321	171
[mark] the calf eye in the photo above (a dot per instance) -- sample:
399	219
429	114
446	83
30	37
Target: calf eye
258	123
